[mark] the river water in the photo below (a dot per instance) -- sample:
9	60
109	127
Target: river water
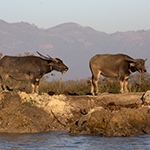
61	141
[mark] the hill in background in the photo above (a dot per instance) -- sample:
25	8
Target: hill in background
73	43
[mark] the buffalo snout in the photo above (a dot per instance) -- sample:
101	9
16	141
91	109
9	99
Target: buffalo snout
66	69
142	70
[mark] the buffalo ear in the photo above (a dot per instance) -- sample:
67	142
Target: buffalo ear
50	64
54	60
145	59
130	60
132	64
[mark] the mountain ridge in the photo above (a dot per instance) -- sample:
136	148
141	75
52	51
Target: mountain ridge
73	43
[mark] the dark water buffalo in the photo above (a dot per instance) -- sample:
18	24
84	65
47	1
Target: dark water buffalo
119	65
30	68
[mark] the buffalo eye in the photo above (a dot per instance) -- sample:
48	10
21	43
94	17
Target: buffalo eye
138	63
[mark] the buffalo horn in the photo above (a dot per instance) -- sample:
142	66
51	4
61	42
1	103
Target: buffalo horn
49	56
42	55
145	59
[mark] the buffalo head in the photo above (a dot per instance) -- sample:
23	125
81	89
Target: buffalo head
138	65
55	64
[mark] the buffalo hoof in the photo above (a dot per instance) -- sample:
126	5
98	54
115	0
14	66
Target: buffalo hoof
88	94
51	93
97	94
126	91
122	92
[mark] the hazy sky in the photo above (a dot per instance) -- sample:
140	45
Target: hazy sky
103	15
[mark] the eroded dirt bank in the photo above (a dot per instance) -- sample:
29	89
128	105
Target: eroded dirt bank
107	114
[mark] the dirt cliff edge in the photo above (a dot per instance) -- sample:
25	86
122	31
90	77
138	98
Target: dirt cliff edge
106	115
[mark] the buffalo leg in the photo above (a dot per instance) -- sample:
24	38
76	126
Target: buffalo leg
121	86
97	91
92	87
3	81
37	89
37	86
94	82
33	87
125	85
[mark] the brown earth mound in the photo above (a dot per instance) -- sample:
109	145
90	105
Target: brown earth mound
16	117
126	122
106	115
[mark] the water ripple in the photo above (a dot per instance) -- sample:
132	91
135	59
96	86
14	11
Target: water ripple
61	141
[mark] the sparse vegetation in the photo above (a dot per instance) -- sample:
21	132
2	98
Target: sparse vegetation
137	83
80	87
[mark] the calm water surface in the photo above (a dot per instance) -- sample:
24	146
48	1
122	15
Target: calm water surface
61	141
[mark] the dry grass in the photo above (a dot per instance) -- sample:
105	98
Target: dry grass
136	84
80	87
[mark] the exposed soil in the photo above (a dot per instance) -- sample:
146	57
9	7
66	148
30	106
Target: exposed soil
18	117
30	113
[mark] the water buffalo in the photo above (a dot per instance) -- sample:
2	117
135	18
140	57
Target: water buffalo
117	65
30	68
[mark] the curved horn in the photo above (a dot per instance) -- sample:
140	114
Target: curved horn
42	55
49	56
145	59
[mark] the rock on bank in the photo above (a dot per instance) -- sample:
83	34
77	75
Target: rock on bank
106	115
